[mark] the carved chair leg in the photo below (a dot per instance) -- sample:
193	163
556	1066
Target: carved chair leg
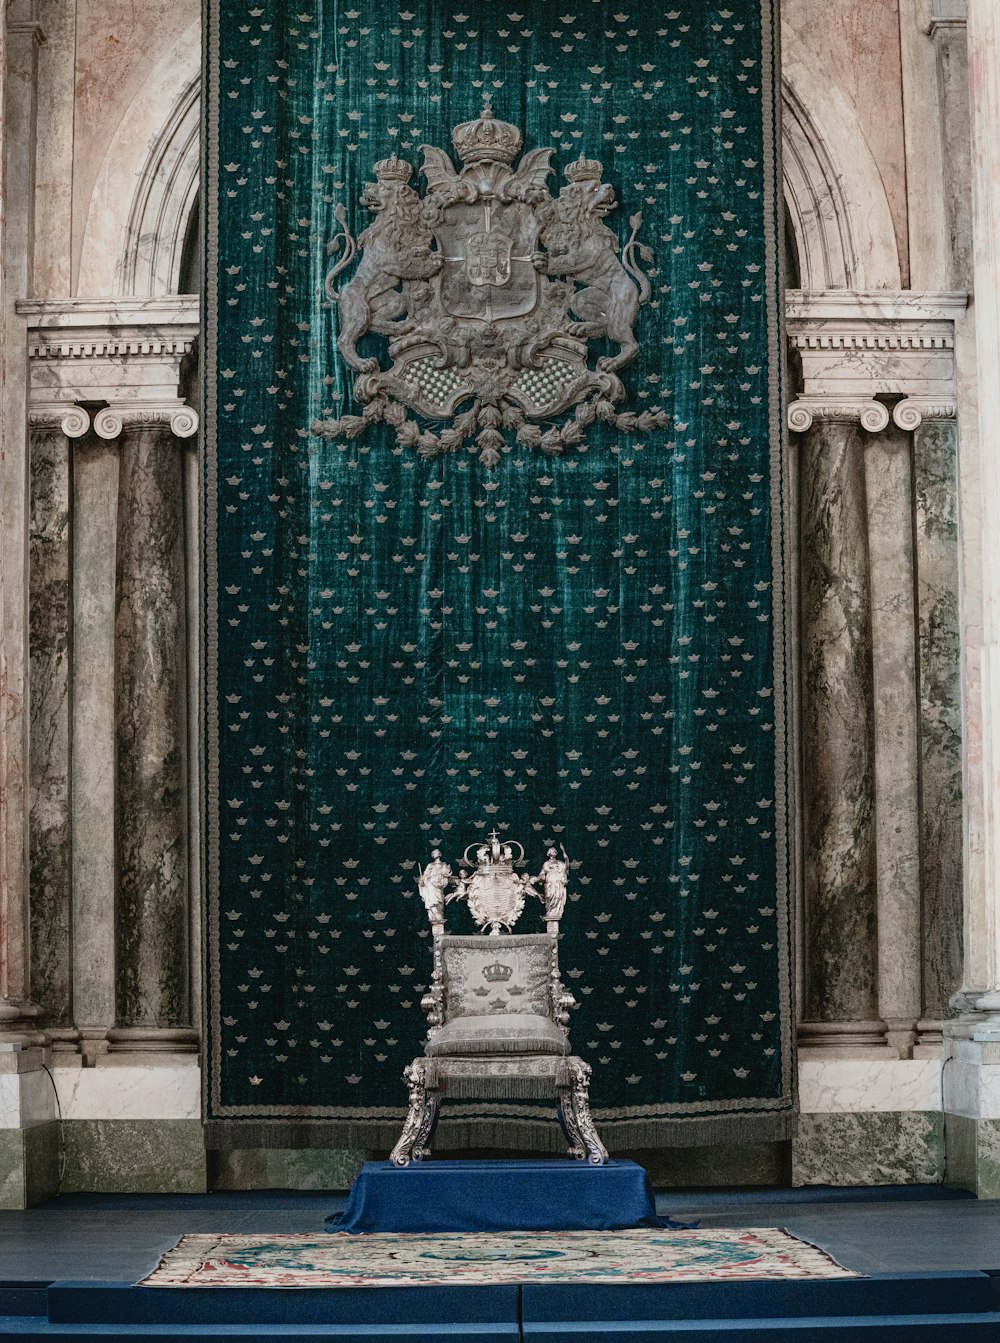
574	1116
574	1146
421	1118
423	1140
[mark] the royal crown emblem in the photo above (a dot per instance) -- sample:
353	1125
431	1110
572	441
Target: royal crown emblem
490	291
497	973
494	892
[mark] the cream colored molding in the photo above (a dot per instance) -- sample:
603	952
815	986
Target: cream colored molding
125	352
856	347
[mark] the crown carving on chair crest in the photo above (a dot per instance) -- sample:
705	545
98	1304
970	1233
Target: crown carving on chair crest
497	973
493	891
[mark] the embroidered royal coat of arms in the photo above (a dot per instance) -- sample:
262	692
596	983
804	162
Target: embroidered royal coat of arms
509	311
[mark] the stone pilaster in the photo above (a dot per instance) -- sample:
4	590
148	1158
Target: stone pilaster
935	479
153	975
983	27
971	1044
841	954
95	515
946	29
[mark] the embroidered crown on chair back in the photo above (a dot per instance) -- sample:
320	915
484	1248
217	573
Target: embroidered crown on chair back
485	975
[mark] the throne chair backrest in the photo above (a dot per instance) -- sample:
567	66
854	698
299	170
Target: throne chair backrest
482	975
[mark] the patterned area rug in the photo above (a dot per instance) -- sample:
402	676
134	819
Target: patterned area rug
478	1259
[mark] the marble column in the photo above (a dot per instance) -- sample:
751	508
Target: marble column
153	979
889	491
840	936
50	820
95	522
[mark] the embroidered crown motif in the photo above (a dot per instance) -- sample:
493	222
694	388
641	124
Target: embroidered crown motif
487	138
497	973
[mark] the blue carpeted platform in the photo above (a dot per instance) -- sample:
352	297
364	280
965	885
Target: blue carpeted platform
498	1196
889	1308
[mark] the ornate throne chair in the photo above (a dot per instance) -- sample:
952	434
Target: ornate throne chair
497	1009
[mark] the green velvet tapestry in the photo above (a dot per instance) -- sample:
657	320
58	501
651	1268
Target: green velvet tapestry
570	628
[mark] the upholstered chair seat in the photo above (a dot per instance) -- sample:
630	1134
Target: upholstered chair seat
498	1033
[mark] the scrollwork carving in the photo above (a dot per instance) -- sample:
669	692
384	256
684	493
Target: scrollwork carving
72	420
108	423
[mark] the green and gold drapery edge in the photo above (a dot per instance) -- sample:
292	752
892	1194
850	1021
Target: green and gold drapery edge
588	648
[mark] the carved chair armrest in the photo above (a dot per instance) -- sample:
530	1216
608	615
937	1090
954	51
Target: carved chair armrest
433	1005
563	1003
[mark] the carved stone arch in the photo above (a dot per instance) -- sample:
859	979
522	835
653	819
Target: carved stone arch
841	223
147	187
841	220
823	232
164	200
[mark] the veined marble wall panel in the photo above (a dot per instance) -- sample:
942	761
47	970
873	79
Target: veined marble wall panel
26	1099
972	1079
840	1086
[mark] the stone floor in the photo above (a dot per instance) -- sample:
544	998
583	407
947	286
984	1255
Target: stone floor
121	1237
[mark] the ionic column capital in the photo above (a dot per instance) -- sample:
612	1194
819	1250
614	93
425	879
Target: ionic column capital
911	412
181	419
72	420
870	414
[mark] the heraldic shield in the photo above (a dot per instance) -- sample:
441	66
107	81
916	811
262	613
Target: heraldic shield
488	273
490	290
